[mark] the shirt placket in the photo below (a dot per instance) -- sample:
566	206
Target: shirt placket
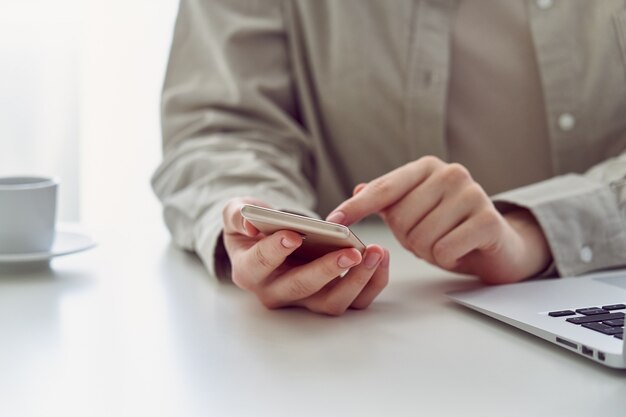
556	57
428	74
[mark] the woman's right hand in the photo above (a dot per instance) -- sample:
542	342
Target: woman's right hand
261	265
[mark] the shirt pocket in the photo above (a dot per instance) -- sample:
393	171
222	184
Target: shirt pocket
620	27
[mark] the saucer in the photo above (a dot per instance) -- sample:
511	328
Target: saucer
66	242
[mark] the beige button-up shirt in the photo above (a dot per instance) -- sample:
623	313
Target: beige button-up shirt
295	102
495	115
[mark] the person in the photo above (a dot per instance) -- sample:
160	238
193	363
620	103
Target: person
489	136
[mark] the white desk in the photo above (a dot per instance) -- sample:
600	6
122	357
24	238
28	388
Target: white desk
137	328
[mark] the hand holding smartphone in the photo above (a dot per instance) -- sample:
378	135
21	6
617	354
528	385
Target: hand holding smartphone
320	237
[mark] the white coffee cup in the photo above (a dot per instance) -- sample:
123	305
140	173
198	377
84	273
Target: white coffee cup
27	214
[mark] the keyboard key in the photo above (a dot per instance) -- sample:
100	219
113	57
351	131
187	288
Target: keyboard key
614	323
603	328
591	311
595	318
561	313
619	336
615	307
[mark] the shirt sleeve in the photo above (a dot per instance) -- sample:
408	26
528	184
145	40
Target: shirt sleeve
582	216
230	122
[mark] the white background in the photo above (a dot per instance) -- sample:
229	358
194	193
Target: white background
79	99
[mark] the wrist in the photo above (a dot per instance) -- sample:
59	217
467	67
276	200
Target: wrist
535	254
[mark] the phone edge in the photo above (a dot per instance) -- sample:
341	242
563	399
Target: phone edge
256	213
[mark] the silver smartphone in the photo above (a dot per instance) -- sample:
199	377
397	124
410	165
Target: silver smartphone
320	237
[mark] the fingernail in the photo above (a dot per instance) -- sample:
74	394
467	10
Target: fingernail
358	188
371	260
247	227
345	262
288	243
336	217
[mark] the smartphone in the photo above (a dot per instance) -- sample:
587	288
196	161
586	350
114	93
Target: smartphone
320	237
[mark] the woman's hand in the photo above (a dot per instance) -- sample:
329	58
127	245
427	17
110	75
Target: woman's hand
261	265
438	212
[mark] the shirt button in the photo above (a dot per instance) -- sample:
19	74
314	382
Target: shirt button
586	254
566	121
545	4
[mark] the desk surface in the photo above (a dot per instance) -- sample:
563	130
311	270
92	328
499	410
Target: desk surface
136	327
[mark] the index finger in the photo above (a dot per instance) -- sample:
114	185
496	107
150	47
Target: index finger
384	191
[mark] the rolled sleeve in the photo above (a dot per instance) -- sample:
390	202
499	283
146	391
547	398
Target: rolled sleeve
231	123
580	218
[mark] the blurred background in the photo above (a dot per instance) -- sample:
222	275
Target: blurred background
80	82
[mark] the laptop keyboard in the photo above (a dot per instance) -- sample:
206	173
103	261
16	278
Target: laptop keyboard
607	319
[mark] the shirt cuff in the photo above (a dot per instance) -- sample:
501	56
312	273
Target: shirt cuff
580	218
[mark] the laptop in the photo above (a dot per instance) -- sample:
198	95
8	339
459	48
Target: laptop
582	314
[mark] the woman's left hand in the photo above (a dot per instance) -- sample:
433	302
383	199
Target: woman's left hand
438	212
